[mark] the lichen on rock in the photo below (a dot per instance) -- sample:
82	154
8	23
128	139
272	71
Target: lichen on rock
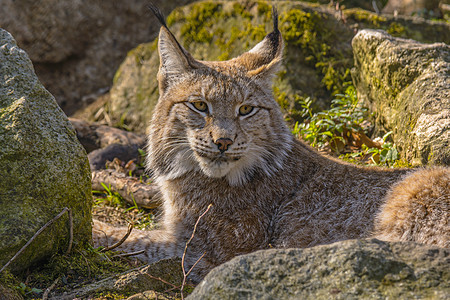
406	84
353	269
43	167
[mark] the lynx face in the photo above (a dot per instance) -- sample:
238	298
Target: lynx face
217	117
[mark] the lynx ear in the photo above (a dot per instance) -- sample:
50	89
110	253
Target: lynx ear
264	59
174	59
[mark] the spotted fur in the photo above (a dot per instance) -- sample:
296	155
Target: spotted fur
267	189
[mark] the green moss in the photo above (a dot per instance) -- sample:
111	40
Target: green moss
195	24
308	30
9	286
143	52
264	9
111	295
396	29
365	16
199	26
420	30
84	264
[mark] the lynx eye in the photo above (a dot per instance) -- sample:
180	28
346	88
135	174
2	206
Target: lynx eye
245	110
200	106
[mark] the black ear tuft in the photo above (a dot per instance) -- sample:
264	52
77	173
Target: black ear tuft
158	14
274	36
275	19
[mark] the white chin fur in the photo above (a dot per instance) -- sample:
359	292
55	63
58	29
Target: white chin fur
215	170
235	172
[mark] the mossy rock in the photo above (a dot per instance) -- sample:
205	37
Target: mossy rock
354	269
406	85
43	167
317	60
419	29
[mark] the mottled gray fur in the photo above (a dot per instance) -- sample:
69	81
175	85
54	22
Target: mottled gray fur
218	137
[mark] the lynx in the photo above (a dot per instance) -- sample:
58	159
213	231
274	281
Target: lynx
218	137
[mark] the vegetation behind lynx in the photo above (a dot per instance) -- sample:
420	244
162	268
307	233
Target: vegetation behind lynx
218	137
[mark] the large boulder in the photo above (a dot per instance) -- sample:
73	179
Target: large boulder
76	46
425	8
407	86
354	269
317	60
43	167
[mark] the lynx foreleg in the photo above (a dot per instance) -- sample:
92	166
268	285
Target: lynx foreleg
155	244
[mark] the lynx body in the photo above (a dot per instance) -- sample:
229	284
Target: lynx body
218	137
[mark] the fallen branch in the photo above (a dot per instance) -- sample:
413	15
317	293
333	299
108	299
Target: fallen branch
130	228
48	290
185	274
131	189
65	209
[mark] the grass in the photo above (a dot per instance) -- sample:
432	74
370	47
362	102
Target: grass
140	218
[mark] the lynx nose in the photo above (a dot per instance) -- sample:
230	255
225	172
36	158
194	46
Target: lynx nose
223	144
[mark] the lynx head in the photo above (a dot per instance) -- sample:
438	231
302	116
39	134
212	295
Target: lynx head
218	118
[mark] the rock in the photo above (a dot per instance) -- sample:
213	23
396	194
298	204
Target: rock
149	295
98	158
43	167
150	277
406	84
104	143
94	136
425	8
353	269
317	59
419	29
77	46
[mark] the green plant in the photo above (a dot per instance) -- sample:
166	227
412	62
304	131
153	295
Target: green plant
141	218
110	197
331	127
334	128
24	290
386	155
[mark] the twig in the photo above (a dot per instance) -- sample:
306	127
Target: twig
69	248
34	237
129	254
198	260
130	228
185	250
47	290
